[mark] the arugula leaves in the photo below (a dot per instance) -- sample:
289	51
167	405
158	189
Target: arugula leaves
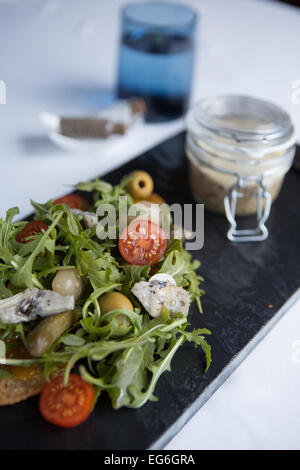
125	351
179	264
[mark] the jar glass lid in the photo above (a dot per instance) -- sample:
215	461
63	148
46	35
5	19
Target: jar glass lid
241	119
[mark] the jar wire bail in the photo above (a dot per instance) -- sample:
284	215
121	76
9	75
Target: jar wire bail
264	202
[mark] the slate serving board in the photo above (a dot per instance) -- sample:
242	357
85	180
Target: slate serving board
248	288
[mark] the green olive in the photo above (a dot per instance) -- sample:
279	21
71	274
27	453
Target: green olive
141	185
41	338
156	199
67	282
147	211
113	301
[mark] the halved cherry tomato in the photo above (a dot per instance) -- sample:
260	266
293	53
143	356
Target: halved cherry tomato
73	201
142	242
32	228
66	406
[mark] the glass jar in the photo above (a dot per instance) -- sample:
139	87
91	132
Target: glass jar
239	149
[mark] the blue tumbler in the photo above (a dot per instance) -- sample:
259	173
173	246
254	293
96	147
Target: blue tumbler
157	57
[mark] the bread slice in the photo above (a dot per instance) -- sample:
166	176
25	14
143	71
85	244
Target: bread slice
13	389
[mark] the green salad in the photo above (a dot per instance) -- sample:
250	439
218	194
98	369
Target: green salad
106	317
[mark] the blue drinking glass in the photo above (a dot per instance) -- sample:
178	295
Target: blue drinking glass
157	57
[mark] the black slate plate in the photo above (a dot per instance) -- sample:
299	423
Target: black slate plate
242	282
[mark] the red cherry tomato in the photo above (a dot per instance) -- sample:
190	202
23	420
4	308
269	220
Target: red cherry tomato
66	406
142	242
73	201
32	228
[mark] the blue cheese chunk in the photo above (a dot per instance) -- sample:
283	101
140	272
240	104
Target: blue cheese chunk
156	294
90	219
33	303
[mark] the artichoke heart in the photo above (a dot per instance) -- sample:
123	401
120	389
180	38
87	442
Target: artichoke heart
33	303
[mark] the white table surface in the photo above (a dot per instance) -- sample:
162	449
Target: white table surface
61	56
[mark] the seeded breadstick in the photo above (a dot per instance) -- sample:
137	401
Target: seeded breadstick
90	127
137	106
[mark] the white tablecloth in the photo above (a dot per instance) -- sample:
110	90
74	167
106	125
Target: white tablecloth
61	56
